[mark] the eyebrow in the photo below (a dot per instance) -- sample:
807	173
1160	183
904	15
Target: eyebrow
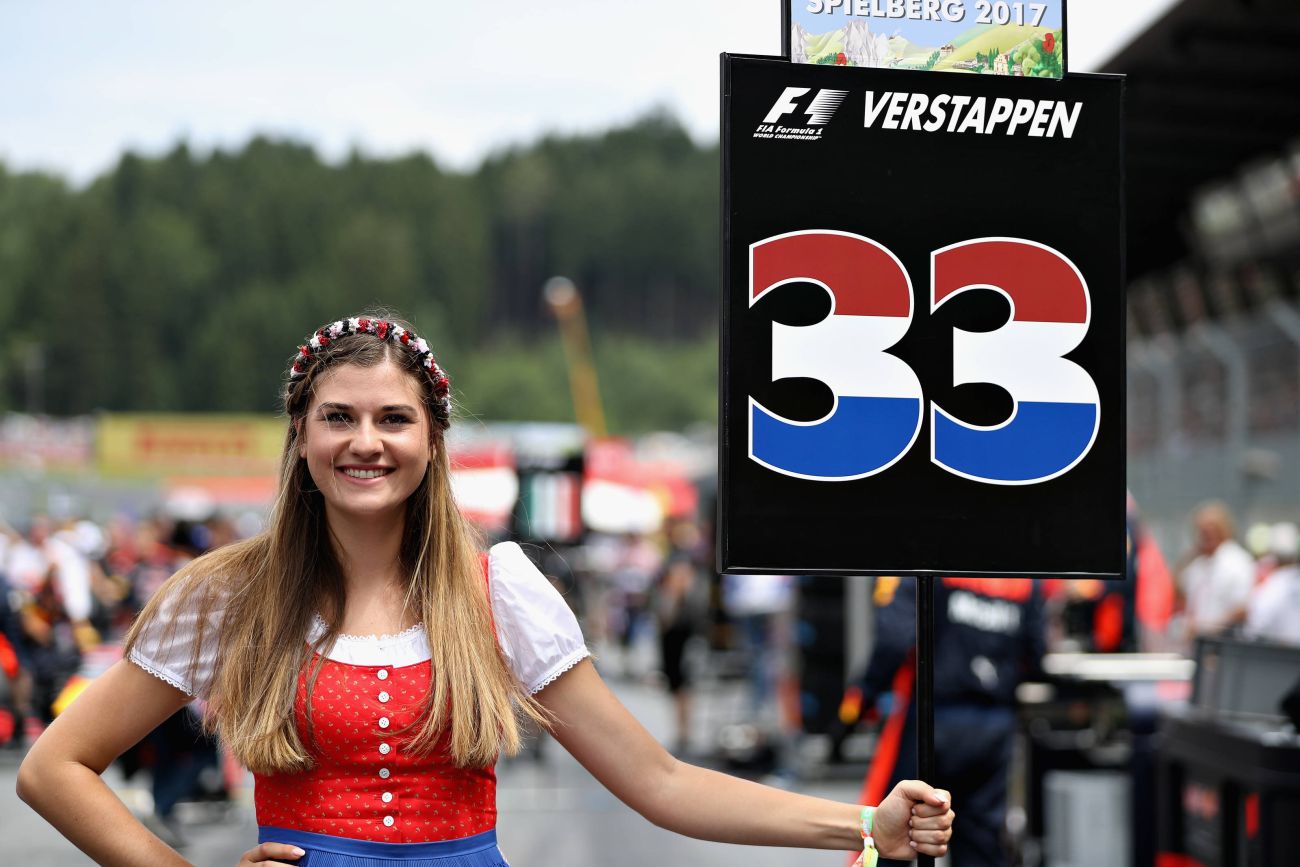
344	407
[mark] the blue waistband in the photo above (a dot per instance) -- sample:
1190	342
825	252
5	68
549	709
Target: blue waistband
371	849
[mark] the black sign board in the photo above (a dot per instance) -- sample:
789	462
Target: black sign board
922	323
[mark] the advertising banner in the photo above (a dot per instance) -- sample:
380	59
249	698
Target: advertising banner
992	37
149	444
922	323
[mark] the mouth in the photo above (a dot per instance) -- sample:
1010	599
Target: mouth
365	472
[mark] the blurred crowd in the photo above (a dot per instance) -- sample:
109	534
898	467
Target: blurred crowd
654	606
1252	590
69	591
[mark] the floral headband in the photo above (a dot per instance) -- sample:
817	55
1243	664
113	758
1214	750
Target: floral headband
384	330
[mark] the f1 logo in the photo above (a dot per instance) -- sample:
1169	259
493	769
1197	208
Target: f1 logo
819	111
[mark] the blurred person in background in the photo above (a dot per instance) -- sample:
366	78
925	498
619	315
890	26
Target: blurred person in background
754	603
989	638
13	656
50	595
638	561
121	554
1259	542
1216	584
1094	616
1273	613
154	561
369	662
679	603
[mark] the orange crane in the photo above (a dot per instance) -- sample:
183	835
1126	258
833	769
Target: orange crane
566	305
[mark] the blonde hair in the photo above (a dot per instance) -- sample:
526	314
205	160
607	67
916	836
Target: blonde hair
273	584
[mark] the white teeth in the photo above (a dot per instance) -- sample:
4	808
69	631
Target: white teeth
365	474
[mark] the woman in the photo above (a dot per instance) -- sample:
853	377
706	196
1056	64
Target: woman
368	663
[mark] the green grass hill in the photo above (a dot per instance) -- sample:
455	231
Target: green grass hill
986	37
819	45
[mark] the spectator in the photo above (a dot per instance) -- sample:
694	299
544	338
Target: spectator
638	562
679	607
1216	584
753	602
1274	610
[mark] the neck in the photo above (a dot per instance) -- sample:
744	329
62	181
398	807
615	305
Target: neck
368	549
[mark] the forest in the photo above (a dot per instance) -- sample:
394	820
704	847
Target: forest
183	282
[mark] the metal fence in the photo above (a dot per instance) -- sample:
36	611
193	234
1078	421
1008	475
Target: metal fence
1214	412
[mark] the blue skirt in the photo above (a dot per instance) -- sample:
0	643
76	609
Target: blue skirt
323	850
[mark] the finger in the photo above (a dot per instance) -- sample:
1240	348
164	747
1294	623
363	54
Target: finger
264	852
915	790
933	823
925	811
935	837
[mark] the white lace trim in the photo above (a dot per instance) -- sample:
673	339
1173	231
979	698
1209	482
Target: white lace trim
386	638
408	647
159	673
569	662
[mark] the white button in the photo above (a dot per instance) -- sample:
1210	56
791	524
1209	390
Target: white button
388	797
383	696
384	773
388	820
383	674
385	749
383	722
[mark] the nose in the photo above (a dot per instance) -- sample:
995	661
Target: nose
366	439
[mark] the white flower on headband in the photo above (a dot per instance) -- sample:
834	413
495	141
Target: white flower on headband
420	346
335	329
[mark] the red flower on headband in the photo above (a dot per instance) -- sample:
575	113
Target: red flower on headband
381	329
406	337
363	324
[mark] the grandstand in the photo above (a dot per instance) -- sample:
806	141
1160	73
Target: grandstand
1213	179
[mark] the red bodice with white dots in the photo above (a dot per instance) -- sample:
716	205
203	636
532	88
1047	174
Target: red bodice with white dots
365	784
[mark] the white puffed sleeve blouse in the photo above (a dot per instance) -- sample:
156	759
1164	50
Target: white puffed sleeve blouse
535	628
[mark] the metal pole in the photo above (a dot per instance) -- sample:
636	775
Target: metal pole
925	687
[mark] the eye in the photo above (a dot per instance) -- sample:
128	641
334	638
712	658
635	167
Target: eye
397	418
337	417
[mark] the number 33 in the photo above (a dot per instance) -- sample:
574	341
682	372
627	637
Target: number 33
878	399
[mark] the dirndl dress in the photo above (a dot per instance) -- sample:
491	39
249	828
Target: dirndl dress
368	800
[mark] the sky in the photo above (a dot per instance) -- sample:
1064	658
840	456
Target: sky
85	80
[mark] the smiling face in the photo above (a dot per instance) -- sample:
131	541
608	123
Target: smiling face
365	438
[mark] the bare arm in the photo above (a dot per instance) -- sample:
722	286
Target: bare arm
60	776
600	733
